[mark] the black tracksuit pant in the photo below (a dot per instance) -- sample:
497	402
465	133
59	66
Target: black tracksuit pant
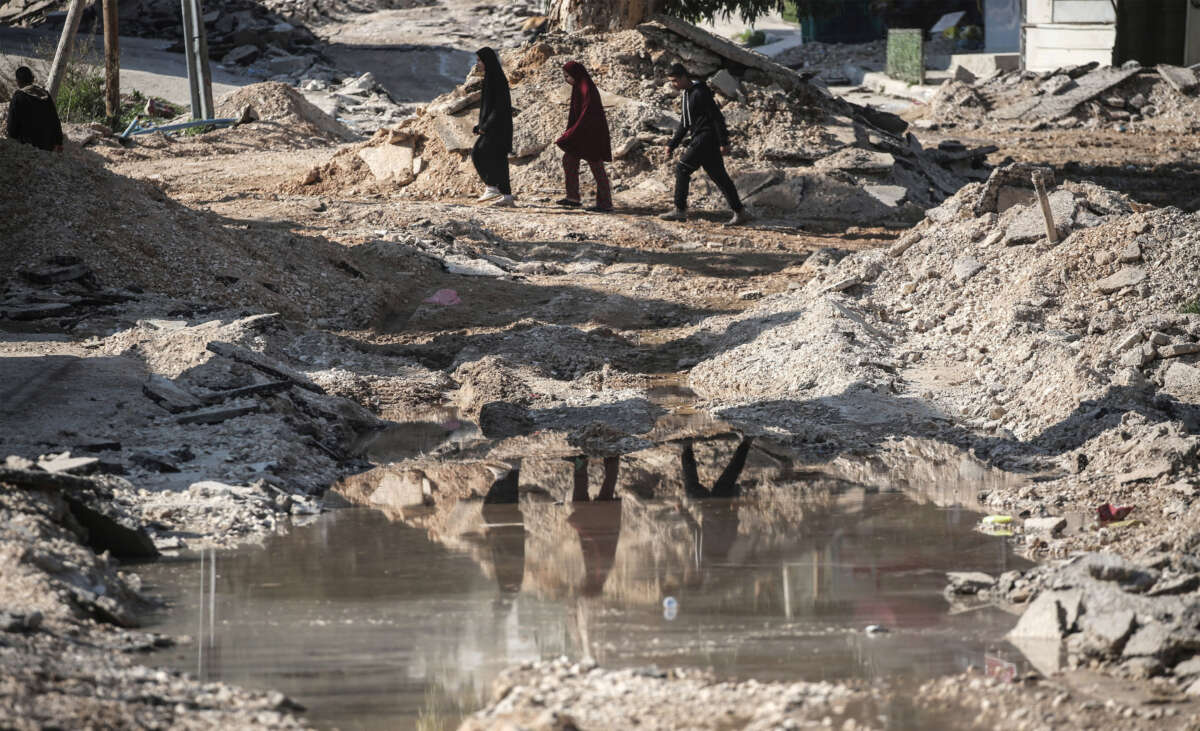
491	162
704	152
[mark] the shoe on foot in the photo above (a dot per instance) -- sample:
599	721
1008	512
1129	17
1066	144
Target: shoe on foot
489	193
504	201
567	203
676	215
740	216
600	209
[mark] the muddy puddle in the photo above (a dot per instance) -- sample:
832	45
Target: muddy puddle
375	619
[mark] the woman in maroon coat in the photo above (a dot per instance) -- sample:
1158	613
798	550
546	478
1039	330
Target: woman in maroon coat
586	138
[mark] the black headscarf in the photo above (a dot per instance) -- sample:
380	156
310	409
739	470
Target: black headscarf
495	108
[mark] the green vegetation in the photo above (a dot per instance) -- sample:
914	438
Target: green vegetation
80	98
752	38
1193	308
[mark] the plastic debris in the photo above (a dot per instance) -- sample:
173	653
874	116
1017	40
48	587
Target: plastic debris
875	629
997	519
445	297
1110	513
670	608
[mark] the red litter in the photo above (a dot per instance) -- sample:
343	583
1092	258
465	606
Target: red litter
1110	513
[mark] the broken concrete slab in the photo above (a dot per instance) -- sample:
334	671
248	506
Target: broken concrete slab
90	501
725	83
969	582
1178	349
389	162
464	102
1182	79
1029	225
891	196
39	311
455	132
1043	619
218	414
264	364
1185	584
1054	107
66	464
167	394
1183	382
1127	277
858	160
1151	471
1105	633
259	389
56	273
1046	526
965	268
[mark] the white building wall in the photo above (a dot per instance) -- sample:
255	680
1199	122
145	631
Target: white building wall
1068	32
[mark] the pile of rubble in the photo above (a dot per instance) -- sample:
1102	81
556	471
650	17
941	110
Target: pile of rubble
827	61
1088	96
133	236
360	103
1138	618
68	659
558	694
286	108
798	152
1080	357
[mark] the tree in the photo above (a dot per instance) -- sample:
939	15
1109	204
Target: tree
573	15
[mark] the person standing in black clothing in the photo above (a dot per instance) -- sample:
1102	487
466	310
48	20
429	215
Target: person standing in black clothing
495	130
32	117
704	124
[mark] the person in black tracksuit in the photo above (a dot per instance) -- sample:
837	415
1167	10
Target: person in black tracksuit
709	141
32	117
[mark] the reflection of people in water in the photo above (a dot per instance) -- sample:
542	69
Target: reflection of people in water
726	484
598	523
506	535
718	525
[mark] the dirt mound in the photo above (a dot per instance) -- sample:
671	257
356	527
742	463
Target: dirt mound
797	152
276	102
130	234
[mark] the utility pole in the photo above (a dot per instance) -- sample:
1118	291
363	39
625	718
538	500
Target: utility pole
195	47
112	64
63	52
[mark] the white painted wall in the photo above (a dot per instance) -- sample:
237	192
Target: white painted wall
1068	32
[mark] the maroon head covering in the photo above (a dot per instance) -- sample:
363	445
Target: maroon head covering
587	128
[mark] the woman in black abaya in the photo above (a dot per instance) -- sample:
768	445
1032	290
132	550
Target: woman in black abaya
495	130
